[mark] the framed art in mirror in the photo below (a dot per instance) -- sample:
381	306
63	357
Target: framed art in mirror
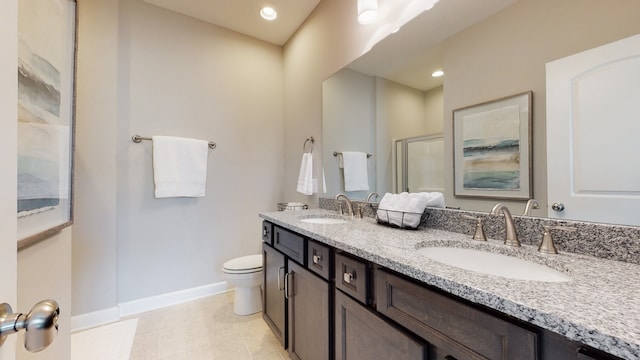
46	112
492	148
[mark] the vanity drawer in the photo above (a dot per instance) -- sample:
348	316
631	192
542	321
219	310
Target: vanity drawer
267	232
451	325
290	244
352	277
318	259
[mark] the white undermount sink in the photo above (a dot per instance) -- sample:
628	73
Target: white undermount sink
493	264
324	220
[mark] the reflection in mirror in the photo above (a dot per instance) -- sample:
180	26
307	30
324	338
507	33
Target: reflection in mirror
366	113
488	50
419	164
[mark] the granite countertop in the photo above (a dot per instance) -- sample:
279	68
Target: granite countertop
599	307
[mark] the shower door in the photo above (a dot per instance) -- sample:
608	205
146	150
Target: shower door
419	164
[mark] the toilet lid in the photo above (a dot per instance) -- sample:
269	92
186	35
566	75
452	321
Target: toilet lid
244	263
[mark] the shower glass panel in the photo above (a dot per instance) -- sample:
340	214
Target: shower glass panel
419	164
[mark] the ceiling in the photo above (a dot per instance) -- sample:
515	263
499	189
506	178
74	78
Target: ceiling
416	48
243	15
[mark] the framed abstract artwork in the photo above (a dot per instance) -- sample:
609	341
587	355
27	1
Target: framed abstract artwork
492	148
46	112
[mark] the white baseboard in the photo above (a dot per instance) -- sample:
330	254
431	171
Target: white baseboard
156	302
101	317
93	319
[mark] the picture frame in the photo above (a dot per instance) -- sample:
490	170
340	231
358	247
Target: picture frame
47	33
493	148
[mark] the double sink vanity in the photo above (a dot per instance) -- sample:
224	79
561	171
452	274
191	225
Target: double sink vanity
346	288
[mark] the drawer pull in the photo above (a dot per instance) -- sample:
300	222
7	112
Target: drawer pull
317	259
348	277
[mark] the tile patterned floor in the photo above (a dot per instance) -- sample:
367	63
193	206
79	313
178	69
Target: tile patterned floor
205	329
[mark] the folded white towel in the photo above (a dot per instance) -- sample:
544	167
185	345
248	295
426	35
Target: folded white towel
405	210
179	166
305	177
356	175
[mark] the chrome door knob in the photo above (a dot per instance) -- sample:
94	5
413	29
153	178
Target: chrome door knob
557	206
40	324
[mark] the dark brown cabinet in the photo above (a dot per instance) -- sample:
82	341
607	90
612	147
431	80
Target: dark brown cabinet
297	301
308	300
361	334
273	301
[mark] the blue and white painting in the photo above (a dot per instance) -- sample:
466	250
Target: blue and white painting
491	150
44	121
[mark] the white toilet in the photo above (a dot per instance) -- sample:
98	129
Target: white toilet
246	274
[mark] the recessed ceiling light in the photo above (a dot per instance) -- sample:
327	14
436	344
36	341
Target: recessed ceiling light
367	11
437	73
268	13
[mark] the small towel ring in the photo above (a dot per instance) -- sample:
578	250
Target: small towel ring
304	146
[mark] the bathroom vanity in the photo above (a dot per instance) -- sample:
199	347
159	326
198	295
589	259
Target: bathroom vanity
354	289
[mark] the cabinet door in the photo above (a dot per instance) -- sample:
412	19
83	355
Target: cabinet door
360	334
273	300
308	302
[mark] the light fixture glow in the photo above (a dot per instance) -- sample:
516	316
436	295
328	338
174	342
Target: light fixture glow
437	73
367	11
268	13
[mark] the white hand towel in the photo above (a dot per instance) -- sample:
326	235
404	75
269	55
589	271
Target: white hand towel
356	176
305	177
179	166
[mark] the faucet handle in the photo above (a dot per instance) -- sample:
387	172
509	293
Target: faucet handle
479	234
546	245
340	211
358	211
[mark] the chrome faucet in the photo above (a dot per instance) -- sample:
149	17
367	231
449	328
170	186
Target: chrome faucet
373	194
510	229
349	205
531	204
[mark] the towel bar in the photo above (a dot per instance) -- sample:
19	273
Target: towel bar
137	139
335	153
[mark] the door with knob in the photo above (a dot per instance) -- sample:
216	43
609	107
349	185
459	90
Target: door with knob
592	127
8	159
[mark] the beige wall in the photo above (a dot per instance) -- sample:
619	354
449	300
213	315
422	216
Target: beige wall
434	111
144	70
94	232
400	111
506	54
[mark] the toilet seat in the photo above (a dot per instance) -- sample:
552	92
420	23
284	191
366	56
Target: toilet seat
243	265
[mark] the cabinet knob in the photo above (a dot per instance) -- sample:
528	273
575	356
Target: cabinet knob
557	206
317	259
348	277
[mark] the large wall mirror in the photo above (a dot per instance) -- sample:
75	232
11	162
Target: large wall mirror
488	50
